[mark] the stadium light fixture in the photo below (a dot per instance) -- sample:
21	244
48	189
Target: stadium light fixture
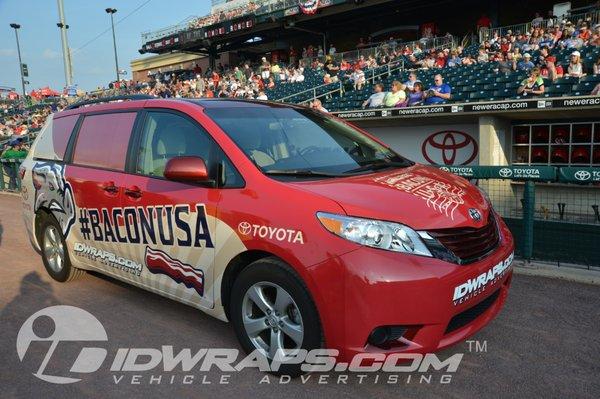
16	27
111	12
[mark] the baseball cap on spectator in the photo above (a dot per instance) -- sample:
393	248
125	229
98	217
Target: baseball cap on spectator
576	53
526	55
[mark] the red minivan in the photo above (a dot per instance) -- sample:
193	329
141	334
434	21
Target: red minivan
300	229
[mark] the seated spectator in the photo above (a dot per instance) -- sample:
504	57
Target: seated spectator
525	64
482	56
271	84
505	45
376	99
262	96
597	66
532	85
468	60
275	71
575	68
297	76
318	105
550	70
596	90
396	96
454	59
265	69
440	60
412	79
506	64
345	65
327	79
358	78
331	68
438	92
584	34
417	95
541	59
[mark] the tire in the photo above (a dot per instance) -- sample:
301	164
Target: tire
270	276
51	237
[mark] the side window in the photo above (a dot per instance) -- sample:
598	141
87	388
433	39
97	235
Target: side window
166	135
103	140
61	132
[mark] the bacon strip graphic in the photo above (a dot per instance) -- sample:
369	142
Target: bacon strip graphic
159	262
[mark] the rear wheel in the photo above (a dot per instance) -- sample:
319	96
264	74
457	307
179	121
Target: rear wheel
271	310
54	252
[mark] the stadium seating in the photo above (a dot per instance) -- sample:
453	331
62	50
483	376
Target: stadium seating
479	82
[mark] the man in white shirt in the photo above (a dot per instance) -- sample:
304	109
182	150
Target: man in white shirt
376	99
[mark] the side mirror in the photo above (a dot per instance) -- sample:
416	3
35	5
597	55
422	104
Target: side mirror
187	169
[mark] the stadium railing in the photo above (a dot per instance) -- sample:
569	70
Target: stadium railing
330	89
169	30
376	48
593	17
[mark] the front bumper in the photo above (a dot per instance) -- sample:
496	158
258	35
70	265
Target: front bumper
368	288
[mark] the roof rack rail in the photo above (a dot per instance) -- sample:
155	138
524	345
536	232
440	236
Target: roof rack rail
110	99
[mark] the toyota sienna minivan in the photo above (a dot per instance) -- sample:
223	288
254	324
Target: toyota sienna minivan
301	230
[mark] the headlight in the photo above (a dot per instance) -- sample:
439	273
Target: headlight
375	233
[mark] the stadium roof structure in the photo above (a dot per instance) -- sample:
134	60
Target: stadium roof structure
266	24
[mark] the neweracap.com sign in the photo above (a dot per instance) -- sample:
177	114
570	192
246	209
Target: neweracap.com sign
476	107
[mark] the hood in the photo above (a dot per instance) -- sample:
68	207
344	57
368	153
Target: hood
419	196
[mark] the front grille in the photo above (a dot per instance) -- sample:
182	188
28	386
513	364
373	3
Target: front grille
468	243
467	316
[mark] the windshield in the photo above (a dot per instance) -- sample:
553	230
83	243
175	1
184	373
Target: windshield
291	141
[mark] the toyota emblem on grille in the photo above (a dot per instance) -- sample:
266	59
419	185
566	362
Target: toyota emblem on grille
475	214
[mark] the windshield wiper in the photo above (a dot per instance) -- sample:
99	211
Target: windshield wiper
379	164
300	173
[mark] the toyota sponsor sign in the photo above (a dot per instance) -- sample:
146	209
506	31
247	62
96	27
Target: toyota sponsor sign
539	173
452	145
579	175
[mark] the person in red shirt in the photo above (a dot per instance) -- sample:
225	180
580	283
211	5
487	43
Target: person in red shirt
215	78
345	65
440	60
484	22
584	33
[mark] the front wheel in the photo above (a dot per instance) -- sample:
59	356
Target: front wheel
54	252
271	311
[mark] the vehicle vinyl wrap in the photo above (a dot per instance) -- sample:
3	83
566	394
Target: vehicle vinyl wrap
100	234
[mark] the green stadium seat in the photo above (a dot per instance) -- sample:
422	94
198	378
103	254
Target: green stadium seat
590	78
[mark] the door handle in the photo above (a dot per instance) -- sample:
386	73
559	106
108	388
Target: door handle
110	187
133	192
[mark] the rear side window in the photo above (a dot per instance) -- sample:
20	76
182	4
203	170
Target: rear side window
103	139
61	132
52	141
